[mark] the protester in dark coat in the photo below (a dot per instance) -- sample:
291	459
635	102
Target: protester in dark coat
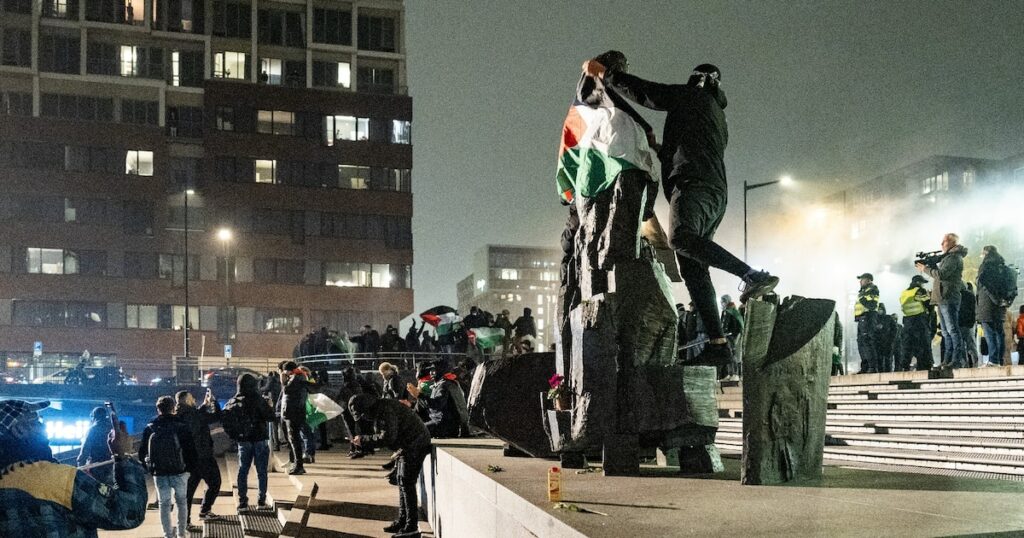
398	428
991	313
206	469
253	447
95	449
297	387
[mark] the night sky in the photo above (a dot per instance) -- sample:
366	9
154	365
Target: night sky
832	93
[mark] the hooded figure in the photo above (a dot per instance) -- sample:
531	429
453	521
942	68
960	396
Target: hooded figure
398	428
253	447
693	178
94	449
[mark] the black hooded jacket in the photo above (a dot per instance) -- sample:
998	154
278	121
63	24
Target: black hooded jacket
198	420
395	425
254	405
693	143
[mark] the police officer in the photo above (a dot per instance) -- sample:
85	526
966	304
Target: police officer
917	329
865	313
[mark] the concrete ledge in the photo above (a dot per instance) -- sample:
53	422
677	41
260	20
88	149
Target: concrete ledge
461	501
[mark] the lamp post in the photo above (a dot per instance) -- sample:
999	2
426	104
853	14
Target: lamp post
225	235
747	187
188	192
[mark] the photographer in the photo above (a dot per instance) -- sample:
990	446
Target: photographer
948	276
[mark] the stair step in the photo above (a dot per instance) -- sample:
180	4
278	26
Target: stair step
226	526
1009	404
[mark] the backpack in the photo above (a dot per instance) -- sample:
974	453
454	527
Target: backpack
165	456
238	424
1004	285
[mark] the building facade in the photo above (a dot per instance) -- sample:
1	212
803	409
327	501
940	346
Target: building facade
271	141
513	278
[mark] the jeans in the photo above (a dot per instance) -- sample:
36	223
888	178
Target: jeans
996	338
178	486
249	452
207	471
951	340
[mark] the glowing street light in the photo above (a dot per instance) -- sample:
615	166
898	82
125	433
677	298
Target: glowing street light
224	234
784	181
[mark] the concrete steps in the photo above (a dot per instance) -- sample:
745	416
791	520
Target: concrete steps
972	423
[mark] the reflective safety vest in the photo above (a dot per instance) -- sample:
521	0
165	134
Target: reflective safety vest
911	303
867	295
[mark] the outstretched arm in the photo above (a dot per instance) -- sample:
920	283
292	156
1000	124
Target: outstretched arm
652	95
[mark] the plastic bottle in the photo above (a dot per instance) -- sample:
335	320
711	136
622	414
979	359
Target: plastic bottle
554	485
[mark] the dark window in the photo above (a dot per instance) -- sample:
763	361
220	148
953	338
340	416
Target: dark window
225	118
15	104
17	47
278	320
17	6
233	169
140	112
172	267
58	53
332	26
196	218
295	73
116	11
275	271
184	172
280	222
185	121
306	174
376	80
140	265
61	9
377	33
38	155
281	28
92	211
102	58
180	15
187	68
331	74
137	218
96	160
59	314
232	19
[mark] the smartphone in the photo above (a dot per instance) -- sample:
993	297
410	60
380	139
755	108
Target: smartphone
113	414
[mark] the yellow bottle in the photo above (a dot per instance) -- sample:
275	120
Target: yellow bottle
554	485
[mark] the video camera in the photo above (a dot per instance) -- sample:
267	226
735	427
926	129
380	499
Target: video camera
928	259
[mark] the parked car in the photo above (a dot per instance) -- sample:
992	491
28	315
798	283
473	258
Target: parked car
95	376
224	381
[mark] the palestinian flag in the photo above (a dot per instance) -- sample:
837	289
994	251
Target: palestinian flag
444	318
486	337
599	140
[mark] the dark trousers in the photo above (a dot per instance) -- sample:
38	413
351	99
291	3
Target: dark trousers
407	469
207	471
697	211
293	426
867	342
275	434
917	342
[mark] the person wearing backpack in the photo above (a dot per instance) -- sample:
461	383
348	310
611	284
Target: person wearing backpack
994	296
198	420
245	419
169	453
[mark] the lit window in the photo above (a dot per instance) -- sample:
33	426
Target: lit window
540	324
969	177
141	316
175	68
347	274
138	163
380	276
510	274
49	261
344	75
353	177
265	170
270	71
229	65
178	315
481	284
401	132
345	128
129	61
276	122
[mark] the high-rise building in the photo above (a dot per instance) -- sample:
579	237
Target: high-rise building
281	129
512	278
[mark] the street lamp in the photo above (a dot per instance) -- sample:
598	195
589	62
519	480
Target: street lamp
785	181
185	326
225	235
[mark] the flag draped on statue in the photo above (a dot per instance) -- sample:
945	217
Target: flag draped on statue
599	140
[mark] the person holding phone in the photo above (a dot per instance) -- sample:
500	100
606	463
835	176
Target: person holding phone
198	420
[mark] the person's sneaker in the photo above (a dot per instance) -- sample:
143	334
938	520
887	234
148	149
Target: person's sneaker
395	526
307	459
389	465
208	516
262	505
297	471
243	507
712	355
356	455
415	533
757	284
194	528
